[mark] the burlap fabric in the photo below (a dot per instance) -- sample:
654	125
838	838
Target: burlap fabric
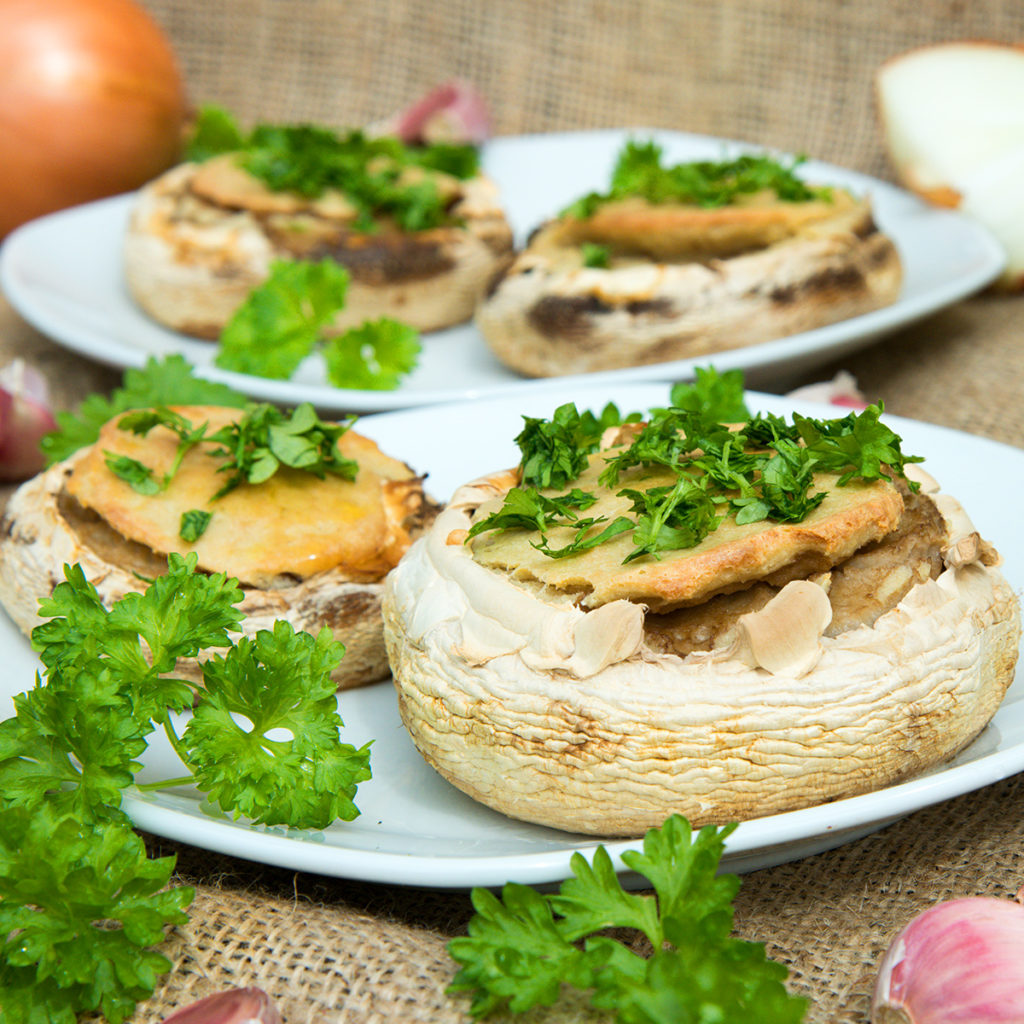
796	75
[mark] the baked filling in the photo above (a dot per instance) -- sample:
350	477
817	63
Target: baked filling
860	589
731	557
220	196
635	230
290	527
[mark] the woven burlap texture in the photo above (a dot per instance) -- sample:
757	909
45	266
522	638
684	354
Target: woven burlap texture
791	74
787	74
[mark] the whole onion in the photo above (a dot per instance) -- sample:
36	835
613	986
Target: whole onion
91	103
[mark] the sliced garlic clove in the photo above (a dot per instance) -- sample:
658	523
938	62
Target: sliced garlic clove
784	637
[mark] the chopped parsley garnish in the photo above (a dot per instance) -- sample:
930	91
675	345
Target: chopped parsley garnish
256	446
555	451
193	524
595	255
639	172
372	172
724	462
251	450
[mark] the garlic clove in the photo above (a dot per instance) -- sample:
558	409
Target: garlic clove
233	1006
840	390
453	112
25	416
962	961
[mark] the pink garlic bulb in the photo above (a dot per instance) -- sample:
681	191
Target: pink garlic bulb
233	1006
25	416
452	112
960	962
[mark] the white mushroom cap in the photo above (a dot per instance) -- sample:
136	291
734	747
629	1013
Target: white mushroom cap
567	718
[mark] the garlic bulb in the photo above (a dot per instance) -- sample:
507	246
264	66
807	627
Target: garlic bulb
233	1006
960	961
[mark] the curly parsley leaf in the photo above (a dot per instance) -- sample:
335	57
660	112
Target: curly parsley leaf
522	949
284	764
76	740
73	745
281	320
80	906
165	382
374	356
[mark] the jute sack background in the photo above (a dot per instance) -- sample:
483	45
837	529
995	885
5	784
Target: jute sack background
791	75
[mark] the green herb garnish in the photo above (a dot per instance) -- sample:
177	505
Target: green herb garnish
374	356
80	906
724	462
283	320
594	255
555	451
639	172
523	948
371	172
80	902
265	439
280	322
165	382
193	524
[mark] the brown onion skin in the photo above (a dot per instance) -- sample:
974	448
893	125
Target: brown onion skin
92	103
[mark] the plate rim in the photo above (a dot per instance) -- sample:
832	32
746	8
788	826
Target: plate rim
844	820
821	343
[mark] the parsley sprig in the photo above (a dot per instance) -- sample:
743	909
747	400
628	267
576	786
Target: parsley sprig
310	159
80	902
161	382
639	171
286	318
523	948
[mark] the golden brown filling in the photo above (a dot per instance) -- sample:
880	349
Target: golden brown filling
863	587
292	524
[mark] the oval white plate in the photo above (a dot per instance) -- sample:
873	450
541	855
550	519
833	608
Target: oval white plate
63	274
416	829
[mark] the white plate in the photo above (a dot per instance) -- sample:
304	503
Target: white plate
416	829
63	274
